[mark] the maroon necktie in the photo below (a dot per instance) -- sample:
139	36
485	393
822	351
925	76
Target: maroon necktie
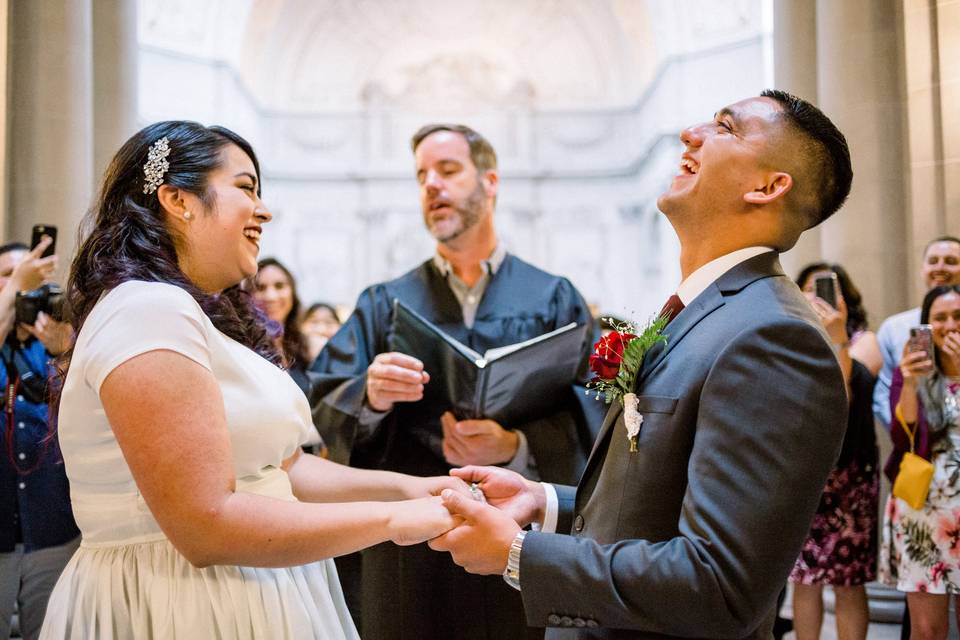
673	306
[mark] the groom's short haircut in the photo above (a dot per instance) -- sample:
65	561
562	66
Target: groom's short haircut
825	173
481	151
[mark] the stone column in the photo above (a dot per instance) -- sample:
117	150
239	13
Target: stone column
859	76
932	44
115	62
51	133
4	227
948	53
795	70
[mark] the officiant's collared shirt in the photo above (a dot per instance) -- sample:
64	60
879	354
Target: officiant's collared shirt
470	297
695	284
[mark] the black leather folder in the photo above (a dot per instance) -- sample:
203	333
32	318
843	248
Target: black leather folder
511	384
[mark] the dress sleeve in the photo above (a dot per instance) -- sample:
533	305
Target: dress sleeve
138	317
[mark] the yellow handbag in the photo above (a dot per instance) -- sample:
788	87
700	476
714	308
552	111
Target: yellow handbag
913	478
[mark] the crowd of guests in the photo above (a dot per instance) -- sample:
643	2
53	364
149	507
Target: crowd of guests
914	394
357	386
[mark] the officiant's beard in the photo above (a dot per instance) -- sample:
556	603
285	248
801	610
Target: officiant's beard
466	216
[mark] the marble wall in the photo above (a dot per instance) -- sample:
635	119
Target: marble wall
580	170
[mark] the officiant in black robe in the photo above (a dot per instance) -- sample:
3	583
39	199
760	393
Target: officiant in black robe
372	412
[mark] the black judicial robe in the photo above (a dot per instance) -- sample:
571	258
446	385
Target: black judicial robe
413	592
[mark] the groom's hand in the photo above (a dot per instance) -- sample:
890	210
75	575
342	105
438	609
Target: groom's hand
481	544
523	500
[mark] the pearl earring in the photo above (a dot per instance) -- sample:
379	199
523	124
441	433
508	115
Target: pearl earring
187	215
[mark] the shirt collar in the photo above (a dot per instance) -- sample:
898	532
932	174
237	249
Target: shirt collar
706	275
490	265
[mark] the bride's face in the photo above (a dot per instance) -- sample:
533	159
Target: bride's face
223	242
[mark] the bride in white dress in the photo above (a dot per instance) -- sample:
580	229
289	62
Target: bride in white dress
200	516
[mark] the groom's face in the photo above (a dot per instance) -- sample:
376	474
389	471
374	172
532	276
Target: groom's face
723	159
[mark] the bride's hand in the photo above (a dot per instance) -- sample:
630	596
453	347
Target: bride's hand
416	487
416	521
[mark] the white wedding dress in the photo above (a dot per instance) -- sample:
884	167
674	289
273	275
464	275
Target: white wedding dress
127	580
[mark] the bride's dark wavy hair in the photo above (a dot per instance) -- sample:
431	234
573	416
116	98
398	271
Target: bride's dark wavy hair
127	236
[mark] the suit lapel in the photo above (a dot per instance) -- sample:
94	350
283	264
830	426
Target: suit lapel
761	266
609	420
704	304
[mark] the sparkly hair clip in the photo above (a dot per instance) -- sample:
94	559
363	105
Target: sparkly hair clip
156	165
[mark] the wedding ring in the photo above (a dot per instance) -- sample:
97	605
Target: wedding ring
477	492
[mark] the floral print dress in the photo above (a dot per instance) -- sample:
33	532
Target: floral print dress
921	548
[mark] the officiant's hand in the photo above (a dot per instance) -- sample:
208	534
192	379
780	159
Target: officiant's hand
523	500
394	377
481	544
476	441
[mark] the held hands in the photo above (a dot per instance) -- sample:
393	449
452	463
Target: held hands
417	487
394	377
482	542
416	521
477	442
525	501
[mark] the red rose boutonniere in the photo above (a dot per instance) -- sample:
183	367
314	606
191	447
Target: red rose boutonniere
616	359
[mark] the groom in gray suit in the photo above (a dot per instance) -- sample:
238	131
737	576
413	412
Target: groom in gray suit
693	533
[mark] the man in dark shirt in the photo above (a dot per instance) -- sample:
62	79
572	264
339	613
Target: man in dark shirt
373	414
38	534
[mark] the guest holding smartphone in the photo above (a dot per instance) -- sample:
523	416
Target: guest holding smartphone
841	549
920	553
38	533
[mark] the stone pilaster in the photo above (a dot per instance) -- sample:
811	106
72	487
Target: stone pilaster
795	70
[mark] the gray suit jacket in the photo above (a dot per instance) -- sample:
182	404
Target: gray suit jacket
693	536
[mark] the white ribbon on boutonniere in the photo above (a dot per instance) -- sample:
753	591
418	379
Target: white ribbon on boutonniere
616	361
632	419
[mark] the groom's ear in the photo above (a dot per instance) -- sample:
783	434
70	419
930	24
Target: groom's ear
769	188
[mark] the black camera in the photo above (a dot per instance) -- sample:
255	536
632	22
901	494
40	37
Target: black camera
47	298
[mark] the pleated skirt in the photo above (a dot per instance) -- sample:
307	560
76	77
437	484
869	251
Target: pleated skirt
149	590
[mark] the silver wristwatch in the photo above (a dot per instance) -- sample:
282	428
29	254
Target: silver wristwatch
511	575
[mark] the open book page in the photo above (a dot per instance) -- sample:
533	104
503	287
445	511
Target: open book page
499	352
510	384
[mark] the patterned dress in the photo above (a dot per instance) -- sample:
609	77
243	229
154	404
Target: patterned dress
921	548
841	548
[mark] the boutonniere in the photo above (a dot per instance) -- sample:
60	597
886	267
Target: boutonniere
616	360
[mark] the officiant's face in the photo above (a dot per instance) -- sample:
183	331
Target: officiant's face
452	193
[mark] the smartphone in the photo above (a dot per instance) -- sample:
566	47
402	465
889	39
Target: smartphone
921	339
825	287
40	230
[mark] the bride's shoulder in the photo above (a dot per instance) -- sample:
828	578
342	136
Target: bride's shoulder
152	294
144	304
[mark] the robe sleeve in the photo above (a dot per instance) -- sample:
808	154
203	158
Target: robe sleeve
340	376
561	442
